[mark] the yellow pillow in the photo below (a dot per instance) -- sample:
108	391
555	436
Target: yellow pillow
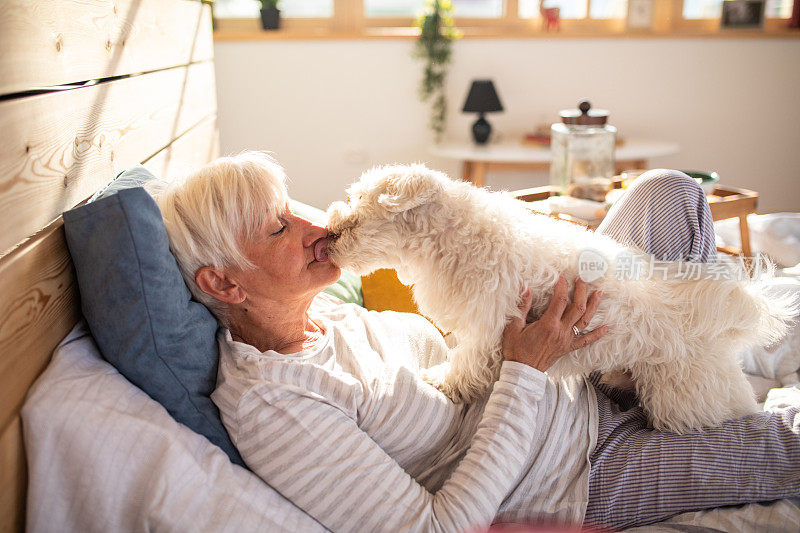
383	292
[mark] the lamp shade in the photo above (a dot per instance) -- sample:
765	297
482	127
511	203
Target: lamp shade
482	98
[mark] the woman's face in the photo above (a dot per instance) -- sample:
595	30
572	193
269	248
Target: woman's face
291	261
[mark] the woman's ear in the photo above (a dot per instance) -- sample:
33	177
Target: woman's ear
217	283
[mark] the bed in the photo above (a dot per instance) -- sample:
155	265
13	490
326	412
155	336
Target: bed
89	89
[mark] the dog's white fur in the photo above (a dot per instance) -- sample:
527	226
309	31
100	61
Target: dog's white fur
469	252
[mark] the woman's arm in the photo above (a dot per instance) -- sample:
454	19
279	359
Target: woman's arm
316	455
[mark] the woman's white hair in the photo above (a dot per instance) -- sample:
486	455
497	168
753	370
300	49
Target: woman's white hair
211	212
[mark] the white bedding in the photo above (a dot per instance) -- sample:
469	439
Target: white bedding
776	235
104	457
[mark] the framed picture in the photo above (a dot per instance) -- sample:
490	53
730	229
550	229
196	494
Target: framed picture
742	14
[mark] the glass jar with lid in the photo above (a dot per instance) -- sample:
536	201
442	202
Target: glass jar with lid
582	146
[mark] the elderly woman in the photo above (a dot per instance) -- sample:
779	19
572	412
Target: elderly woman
324	401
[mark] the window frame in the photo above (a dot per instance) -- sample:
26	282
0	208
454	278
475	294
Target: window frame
349	22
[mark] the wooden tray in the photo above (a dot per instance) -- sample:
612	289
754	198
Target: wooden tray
732	202
725	202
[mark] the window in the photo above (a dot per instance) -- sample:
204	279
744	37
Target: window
236	19
609	9
307	8
235	9
289	8
711	9
568	9
409	8
577	9
702	9
781	9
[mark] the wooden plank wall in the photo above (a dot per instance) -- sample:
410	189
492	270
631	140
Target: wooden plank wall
46	43
62	146
86	89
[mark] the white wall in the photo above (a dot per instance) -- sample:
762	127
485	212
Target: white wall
330	109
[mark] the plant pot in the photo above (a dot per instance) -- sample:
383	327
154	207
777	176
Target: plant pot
270	18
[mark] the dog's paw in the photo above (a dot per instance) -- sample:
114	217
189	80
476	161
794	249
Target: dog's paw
618	379
437	376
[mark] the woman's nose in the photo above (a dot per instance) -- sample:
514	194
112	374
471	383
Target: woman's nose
311	232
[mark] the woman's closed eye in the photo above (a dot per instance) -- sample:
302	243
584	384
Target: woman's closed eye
279	231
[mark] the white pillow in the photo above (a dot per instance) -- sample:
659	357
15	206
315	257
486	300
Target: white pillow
103	456
782	358
783	397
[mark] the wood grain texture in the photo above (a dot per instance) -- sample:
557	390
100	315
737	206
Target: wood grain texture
189	152
62	146
730	202
13	478
53	42
38	308
40	300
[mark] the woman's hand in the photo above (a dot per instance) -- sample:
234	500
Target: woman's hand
541	343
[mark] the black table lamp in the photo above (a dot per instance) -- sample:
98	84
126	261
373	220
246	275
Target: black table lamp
482	98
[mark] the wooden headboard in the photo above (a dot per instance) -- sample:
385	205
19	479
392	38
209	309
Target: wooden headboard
86	89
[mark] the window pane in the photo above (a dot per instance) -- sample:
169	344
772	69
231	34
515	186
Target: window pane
778	9
702	9
289	8
306	8
236	9
478	8
570	9
392	8
609	9
709	9
409	8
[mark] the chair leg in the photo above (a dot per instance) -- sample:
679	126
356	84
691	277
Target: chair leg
744	234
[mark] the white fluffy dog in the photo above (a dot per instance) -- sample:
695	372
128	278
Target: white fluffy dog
469	252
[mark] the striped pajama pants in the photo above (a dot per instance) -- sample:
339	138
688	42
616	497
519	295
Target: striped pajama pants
638	475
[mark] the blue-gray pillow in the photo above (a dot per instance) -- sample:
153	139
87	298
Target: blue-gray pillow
140	311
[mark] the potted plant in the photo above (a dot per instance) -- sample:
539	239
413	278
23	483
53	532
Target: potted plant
270	14
434	47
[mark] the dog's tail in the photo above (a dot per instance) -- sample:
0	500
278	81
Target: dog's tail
739	307
776	307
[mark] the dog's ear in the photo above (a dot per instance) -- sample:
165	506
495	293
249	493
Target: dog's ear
409	187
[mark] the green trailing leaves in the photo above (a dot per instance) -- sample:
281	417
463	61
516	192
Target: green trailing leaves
434	47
